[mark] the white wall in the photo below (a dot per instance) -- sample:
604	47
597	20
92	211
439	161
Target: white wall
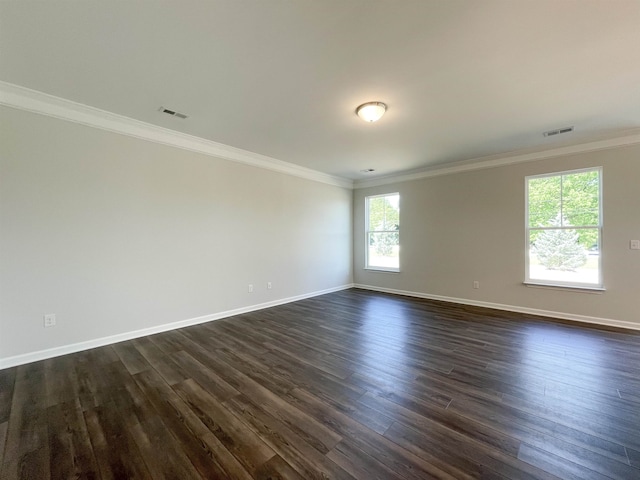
469	226
115	234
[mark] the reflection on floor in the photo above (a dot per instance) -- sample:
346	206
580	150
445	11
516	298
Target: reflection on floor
353	384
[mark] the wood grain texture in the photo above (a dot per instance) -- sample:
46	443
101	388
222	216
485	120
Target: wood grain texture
353	384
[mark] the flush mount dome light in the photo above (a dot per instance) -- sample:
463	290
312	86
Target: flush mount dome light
371	111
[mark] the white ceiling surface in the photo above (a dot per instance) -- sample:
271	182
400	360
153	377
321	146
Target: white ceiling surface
462	79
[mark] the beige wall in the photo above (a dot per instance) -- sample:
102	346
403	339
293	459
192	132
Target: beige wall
470	226
115	234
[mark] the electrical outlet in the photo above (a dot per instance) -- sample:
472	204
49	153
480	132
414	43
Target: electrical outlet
476	284
250	288
634	244
50	320
268	285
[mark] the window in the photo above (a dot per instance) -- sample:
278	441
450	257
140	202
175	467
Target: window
564	229
383	232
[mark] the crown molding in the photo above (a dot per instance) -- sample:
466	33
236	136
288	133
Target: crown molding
626	138
22	98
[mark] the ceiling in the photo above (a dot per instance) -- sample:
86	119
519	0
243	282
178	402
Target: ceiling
463	79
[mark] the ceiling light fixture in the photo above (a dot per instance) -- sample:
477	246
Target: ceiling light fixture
371	111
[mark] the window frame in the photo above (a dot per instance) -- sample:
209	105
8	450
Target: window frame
367	233
560	283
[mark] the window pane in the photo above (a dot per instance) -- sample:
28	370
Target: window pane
392	212
384	249
383	232
384	213
545	197
560	255
376	213
580	196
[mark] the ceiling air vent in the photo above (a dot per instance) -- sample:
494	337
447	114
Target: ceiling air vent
559	131
173	113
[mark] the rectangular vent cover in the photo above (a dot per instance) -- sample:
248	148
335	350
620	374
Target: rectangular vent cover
173	113
559	131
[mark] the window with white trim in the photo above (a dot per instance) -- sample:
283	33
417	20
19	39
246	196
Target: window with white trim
564	229
382	248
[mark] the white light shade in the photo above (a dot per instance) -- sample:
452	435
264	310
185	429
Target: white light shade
372	111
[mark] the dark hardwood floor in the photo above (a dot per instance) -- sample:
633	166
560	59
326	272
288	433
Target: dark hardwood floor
352	384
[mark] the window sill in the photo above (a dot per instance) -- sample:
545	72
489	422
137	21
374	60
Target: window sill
572	288
382	269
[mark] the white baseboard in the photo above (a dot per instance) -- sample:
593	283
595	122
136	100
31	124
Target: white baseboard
609	322
121	337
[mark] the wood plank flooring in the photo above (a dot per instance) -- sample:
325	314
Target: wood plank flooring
353	384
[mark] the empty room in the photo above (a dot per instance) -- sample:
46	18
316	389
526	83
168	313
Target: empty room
320	239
